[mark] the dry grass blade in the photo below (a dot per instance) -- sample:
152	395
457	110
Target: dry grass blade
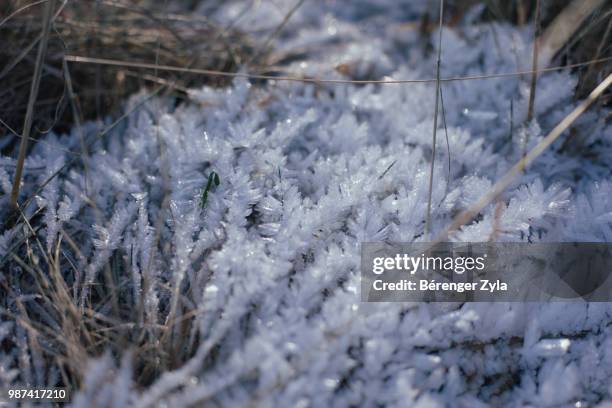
446	136
77	120
469	214
534	65
534	74
435	123
42	51
295	78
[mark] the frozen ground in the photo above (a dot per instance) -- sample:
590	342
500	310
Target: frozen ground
270	265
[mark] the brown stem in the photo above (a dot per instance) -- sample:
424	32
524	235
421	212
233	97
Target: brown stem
27	126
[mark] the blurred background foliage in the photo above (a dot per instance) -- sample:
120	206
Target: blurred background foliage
179	33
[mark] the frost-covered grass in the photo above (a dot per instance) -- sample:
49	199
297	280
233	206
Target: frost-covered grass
251	296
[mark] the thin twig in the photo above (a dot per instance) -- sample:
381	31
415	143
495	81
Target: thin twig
534	75
295	78
446	134
27	126
76	113
435	123
534	62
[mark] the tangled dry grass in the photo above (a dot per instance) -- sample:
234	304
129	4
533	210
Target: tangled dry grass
130	31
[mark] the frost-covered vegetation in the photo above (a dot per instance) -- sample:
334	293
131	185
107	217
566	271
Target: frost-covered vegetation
250	297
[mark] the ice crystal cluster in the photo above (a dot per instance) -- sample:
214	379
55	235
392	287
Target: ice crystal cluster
268	265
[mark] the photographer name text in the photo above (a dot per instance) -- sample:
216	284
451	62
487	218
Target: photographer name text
413	264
